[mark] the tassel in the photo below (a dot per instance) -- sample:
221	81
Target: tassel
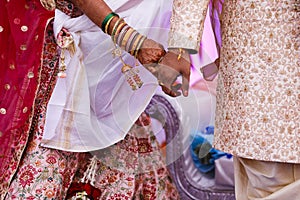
80	196
131	74
62	65
90	173
65	42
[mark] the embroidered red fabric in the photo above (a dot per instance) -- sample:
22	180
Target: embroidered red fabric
22	26
92	192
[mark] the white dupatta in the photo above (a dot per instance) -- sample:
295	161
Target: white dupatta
94	107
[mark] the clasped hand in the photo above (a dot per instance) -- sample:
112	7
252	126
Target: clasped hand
167	67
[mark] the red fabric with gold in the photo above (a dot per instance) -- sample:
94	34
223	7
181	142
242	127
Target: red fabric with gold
22	27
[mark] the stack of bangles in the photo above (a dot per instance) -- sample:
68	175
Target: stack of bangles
123	35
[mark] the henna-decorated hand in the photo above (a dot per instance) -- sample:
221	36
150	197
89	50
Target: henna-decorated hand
150	52
166	67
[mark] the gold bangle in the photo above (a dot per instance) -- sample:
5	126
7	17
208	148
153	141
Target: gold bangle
160	59
107	24
126	37
118	31
132	51
139	45
160	83
114	30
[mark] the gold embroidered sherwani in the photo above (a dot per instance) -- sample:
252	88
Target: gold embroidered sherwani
258	94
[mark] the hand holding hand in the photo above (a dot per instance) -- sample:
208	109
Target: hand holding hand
166	67
151	52
176	62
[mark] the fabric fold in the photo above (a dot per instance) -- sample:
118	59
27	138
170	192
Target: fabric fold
94	107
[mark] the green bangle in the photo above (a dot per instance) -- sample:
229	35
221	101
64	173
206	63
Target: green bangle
106	19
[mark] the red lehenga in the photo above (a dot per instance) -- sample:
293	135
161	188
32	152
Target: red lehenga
23	24
29	64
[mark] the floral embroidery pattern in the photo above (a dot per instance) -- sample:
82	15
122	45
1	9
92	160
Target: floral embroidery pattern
133	169
47	174
187	14
43	173
68	8
26	177
258	109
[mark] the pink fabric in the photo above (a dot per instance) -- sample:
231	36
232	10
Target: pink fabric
22	32
209	46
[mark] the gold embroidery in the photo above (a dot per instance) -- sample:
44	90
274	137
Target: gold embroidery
25	109
12	66
30	74
24	28
23	47
193	17
7	86
3	111
259	81
48	4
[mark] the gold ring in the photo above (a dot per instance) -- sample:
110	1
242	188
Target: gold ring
160	59
160	83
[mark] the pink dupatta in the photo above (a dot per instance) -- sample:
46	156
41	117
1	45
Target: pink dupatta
22	26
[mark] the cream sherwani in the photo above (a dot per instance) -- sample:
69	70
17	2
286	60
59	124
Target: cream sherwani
187	23
258	108
258	94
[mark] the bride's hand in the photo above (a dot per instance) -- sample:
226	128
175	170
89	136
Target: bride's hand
166	67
